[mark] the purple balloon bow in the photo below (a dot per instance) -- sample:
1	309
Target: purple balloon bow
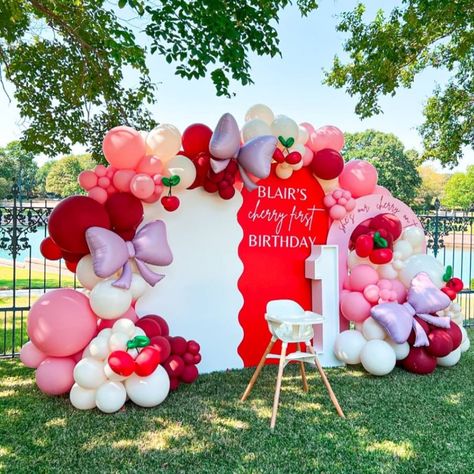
253	157
110	253
423	298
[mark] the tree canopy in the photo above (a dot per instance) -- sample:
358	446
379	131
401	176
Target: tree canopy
432	185
396	166
388	53
459	191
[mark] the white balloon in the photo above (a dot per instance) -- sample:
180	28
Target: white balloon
465	344
255	128
109	302
414	235
348	346
148	391
85	273
89	373
401	350
110	397
86	352
82	398
184	168
464	333
422	263
353	260
105	333
118	341
378	357
124	326
285	127
358	327
163	141
139	332
387	271
303	135
138	286
283	171
111	375
298	166
451	359
404	249
99	348
260	111
328	184
371	329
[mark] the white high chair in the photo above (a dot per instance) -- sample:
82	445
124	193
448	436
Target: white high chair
290	323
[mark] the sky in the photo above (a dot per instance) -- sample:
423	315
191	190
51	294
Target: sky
290	85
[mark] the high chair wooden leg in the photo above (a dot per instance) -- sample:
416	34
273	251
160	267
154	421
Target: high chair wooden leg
326	382
303	371
258	369
276	400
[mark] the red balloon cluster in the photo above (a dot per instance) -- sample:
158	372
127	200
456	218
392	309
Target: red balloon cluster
327	164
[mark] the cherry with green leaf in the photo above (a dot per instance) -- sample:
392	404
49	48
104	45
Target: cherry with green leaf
170	202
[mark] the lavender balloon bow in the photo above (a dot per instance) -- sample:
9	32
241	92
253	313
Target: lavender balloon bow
253	157
110	253
423	298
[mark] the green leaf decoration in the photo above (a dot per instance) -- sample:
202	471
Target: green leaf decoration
166	181
290	142
138	341
448	273
379	241
174	180
282	140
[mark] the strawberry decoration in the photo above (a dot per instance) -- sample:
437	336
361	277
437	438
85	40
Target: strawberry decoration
169	202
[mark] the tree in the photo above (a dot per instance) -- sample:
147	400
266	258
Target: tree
432	185
395	165
41	176
388	53
62	177
459	190
67	59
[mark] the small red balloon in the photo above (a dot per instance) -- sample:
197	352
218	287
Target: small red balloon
125	211
389	222
188	358
174	366
121	363
178	345
195	139
419	361
72	257
147	361
202	165
441	343
189	374
50	250
162	345
193	347
327	164
174	383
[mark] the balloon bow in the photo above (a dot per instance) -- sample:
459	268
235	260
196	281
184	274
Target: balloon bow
254	157
399	319
110	253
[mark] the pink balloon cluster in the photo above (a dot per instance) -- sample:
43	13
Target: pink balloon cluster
339	202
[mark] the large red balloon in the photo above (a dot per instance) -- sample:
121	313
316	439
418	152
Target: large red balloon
71	218
441	343
125	211
196	139
147	361
50	250
327	164
419	361
456	334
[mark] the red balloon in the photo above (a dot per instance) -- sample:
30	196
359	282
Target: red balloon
174	383
178	345
72	257
456	284
327	164
202	164
197	358
196	139
126	235
165	330
125	211
193	347
188	358
174	366
147	361
71	266
419	361
441	343
162	345
71	218
189	374
49	249
361	229
456	334
424	325
389	222
151	327
449	292
121	363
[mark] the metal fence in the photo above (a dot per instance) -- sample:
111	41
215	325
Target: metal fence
25	275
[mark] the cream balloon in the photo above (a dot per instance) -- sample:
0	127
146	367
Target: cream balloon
148	391
404	249
298	166
124	326
110	397
465	345
422	263
414	235
99	348
328	185
260	111
105	333
184	168
163	141
118	341
85	273
109	302
451	359
387	271
254	128
283	171
285	127
401	350
378	357
111	375
138	286
303	135
89	373
82	398
348	346
371	329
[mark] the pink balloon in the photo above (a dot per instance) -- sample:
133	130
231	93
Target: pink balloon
347	283
54	376
142	186
381	190
308	156
103	182
354	307
400	290
77	356
337	212
108	323
359	177
150	165
328	136
309	128
31	356
110	172
87	179
123	147
111	190
362	276
122	180
61	322
384	284
372	293
100	170
98	194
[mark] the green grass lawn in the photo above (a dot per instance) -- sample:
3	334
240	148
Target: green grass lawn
398	423
37	279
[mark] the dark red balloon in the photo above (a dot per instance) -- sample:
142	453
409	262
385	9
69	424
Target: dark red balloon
72	257
71	266
178	345
190	374
202	165
456	334
389	222
147	361
174	366
125	211
162	345
424	325
419	361
193	347
71	218
441	343
151	327
327	164
50	250
165	330
196	139
174	383
188	358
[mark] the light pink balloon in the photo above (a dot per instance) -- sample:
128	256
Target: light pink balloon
329	200
350	205
54	376
347	283
371	293
381	190
328	136
108	323
142	186
309	128
307	157
384	284
359	177
103	182
122	180
100	170
61	322
354	307
31	356
98	194
337	212
400	290
362	276
87	179
123	147
110	172
156	194
150	165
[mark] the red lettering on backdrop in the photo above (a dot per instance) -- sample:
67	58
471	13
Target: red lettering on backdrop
281	220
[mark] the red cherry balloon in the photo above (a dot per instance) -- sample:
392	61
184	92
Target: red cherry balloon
389	222
174	366
227	192
364	245
162	345
197	358
170	203
361	229
121	363
293	158
419	361
278	156
50	250
147	361
190	374
441	343
449	292
456	334
327	164
125	211
195	139
455	284
178	345
381	256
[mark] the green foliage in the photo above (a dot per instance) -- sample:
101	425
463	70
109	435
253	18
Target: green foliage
387	53
432	186
395	165
459	191
67	59
41	176
62	177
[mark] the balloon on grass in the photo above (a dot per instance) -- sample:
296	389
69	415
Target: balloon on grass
348	346
54	376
